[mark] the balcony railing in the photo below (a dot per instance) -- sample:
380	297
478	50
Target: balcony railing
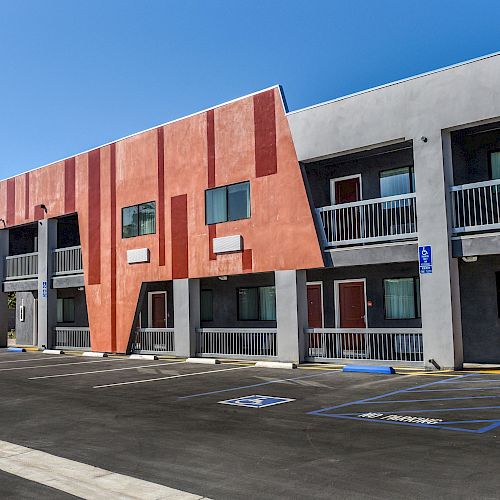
373	344
237	342
476	207
153	341
68	261
72	338
21	266
368	221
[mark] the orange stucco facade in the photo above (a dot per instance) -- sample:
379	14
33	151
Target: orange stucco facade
174	165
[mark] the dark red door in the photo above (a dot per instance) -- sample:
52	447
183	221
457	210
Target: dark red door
314	306
352	315
347	191
158	312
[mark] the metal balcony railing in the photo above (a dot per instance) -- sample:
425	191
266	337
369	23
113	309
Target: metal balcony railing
21	266
72	338
153	341
68	260
237	342
368	221
476	206
373	344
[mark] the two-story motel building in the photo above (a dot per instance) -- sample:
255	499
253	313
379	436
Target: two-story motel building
248	231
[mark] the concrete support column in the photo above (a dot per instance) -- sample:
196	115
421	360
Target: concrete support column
440	295
291	314
186	315
47	296
4	310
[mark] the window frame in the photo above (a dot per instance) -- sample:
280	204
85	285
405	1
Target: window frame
258	302
138	207
64	319
226	189
416	297
490	166
411	174
211	302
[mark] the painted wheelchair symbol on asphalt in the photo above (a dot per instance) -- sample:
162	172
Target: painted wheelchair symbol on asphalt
256	401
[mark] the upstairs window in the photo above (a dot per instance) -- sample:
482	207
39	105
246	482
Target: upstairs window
402	298
495	165
397	181
227	203
139	220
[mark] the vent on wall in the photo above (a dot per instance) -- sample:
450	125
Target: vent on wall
227	244
138	255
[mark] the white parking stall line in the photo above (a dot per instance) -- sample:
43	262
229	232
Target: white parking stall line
151	365
34	360
170	377
80	479
53	365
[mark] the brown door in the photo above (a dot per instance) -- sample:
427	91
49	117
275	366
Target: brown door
347	191
158	312
352	315
314	306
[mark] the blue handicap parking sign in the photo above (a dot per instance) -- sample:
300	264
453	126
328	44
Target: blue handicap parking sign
256	401
425	259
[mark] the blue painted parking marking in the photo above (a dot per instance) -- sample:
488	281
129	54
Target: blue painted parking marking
397	408
256	401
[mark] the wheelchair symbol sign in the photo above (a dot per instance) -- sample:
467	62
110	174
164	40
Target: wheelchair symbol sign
256	401
425	259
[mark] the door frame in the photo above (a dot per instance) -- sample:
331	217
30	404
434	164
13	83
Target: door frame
320	283
150	307
345	178
336	284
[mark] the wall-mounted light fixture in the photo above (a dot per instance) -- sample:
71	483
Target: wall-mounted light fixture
223	278
44	208
2	221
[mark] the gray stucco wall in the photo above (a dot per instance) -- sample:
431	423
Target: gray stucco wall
225	298
81	316
375	276
480	321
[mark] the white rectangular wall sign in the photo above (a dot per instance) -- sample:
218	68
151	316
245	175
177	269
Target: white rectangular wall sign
138	255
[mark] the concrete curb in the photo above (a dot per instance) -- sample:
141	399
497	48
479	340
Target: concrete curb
16	349
152	357
385	370
95	354
275	364
203	361
52	351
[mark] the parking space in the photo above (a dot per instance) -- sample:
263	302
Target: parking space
236	431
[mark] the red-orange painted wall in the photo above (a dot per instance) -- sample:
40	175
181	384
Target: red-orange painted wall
279	235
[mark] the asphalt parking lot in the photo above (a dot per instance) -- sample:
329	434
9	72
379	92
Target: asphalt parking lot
334	435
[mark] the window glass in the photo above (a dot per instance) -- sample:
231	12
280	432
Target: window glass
216	205
66	310
238	196
130	222
248	304
147	218
206	305
267	299
495	165
400	299
396	181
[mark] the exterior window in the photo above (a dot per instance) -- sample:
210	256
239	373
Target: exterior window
207	305
139	220
227	203
66	310
257	303
397	181
495	165
402	298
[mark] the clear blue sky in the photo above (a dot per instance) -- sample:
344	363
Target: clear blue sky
75	74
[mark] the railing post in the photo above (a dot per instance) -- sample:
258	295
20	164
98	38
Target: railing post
186	315
47	296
